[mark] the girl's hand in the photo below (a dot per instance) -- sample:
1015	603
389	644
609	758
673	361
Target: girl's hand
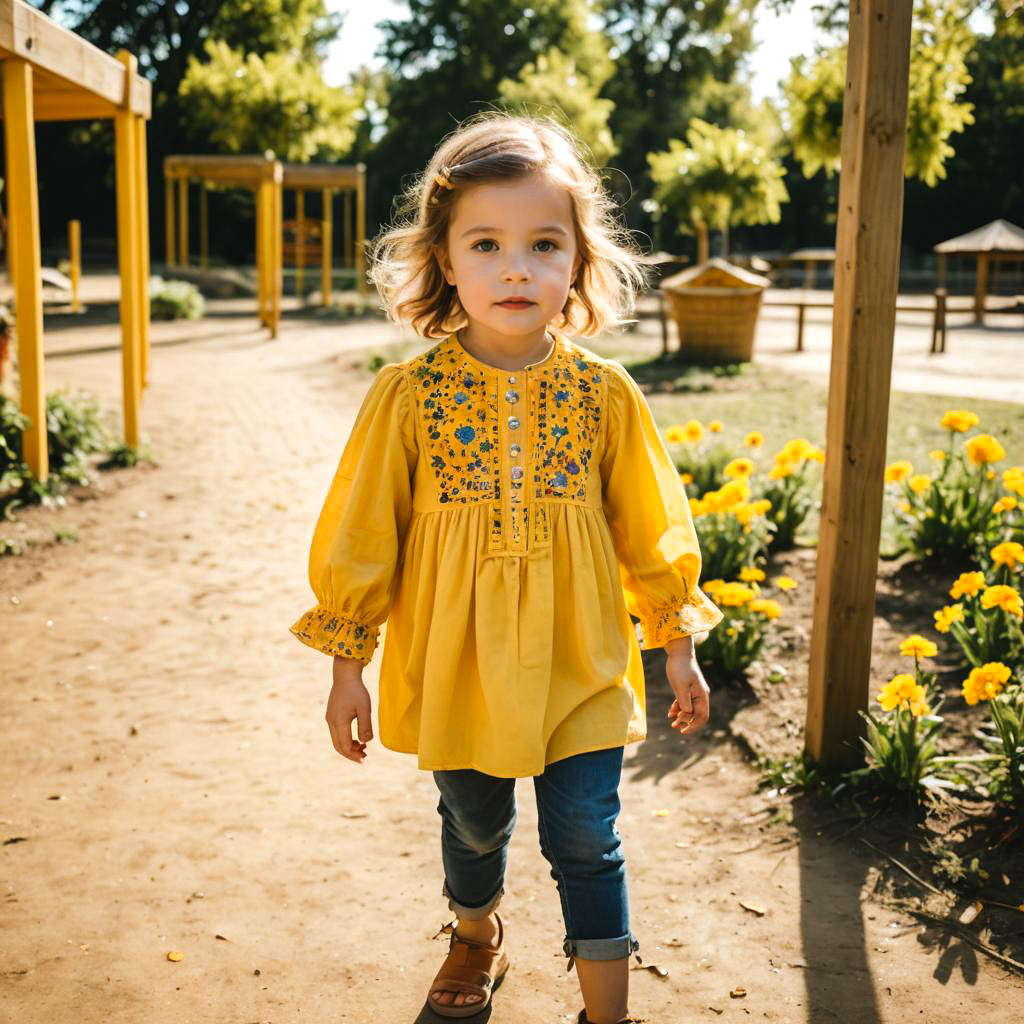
692	706
349	700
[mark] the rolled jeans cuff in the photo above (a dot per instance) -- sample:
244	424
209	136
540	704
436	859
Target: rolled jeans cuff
600	949
472	913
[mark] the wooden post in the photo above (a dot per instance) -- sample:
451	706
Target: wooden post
277	249
144	257
939	323
128	255
347	256
702	244
360	255
800	309
204	225
942	270
75	255
808	274
25	255
169	218
870	214
300	238
183	220
663	317
326	245
981	287
261	254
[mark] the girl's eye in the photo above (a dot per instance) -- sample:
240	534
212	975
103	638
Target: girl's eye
548	241
484	241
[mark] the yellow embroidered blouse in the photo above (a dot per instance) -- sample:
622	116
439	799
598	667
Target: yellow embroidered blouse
505	523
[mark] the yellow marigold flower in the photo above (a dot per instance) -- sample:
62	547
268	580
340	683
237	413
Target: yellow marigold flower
967	585
733	492
785	582
712	586
920	482
733	595
1013	479
675	433
760	507
1010	553
731	631
687	478
741	467
950	614
764	606
984	449
937	455
816	456
743	512
754	439
897	471
781	469
1002	596
904	506
1006	504
693	430
796	449
696	507
917	646
903	691
716	426
959	420
985	682
750	573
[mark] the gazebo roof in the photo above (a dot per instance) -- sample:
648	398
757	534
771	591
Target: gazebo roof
999	236
251	169
824	255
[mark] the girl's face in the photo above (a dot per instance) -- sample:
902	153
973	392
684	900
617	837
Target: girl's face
512	240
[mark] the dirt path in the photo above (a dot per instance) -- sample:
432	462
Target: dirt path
168	770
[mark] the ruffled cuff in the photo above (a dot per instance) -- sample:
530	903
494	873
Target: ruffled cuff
696	614
331	633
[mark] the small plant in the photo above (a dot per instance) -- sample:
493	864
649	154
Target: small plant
732	530
124	456
700	464
175	300
1004	736
790	491
901	743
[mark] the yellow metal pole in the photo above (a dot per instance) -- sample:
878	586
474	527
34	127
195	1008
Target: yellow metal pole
261	256
169	218
26	258
347	259
277	244
360	228
144	255
300	238
326	244
204	227
127	180
75	252
183	221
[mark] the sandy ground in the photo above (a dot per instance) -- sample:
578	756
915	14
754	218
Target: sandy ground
169	784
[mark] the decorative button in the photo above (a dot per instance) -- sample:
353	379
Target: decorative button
511	397
515	451
517	472
513	423
511	380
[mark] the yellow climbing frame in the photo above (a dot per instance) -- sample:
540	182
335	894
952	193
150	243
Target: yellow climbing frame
50	74
267	178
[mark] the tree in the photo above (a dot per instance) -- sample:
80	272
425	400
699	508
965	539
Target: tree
719	178
940	43
553	85
245	103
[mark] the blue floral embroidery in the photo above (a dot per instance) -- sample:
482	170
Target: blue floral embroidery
465	434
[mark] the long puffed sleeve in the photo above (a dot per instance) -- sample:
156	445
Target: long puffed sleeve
353	560
648	513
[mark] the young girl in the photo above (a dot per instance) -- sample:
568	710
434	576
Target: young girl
506	501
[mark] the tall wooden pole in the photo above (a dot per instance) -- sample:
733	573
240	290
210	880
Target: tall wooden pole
183	220
326	245
300	238
25	255
981	287
261	253
867	270
169	218
277	250
143	218
128	251
75	254
360	255
204	225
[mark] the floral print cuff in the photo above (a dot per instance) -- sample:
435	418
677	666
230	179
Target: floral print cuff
696	614
331	633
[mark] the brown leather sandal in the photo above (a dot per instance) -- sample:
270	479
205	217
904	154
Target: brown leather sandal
582	1019
472	968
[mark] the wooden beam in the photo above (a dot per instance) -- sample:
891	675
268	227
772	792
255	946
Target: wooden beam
360	254
169	218
277	252
981	287
183	221
25	256
75	257
326	244
144	257
867	269
59	54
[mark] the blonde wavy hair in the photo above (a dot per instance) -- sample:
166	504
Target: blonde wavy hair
496	146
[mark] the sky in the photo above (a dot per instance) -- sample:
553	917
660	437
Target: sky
779	37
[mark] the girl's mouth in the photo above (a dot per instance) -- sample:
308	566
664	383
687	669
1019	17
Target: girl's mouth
515	304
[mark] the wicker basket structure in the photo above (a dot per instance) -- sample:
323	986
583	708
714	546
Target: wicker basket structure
715	306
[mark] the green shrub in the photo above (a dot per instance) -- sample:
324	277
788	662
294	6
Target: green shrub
175	300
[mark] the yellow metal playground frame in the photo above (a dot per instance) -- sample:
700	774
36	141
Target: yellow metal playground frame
50	74
267	178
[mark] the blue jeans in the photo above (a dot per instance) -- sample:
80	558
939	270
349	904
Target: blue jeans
577	804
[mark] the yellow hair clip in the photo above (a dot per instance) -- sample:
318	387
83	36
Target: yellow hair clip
442	178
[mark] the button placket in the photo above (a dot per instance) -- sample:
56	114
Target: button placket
514	409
